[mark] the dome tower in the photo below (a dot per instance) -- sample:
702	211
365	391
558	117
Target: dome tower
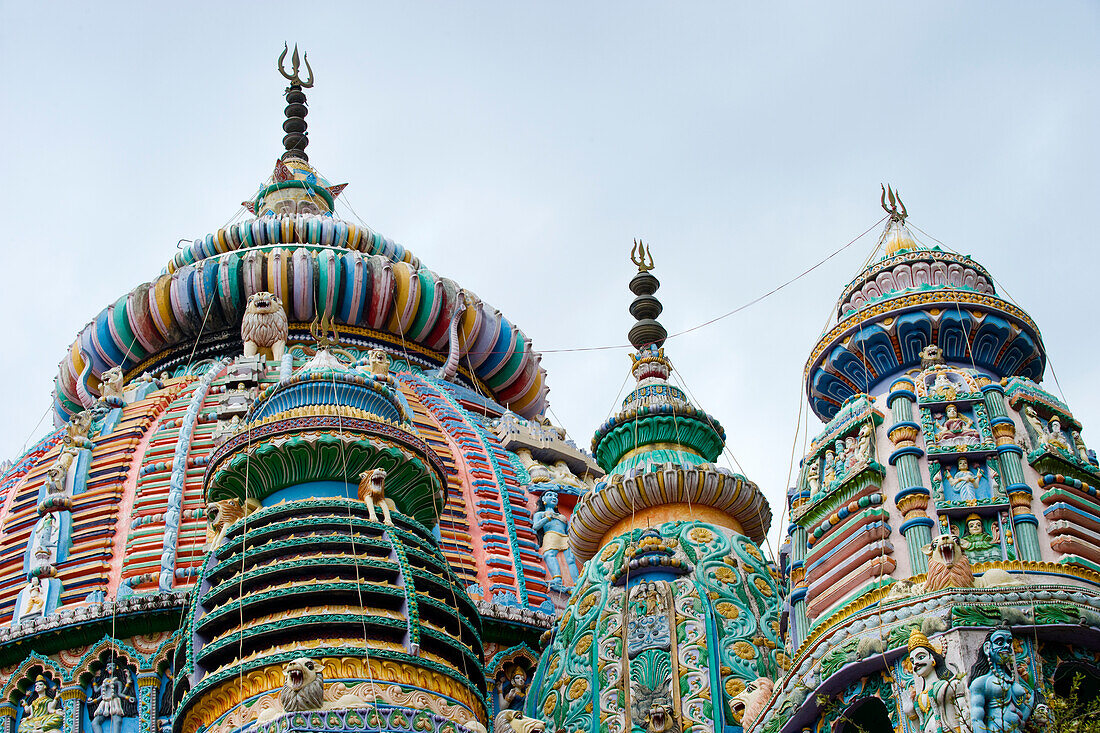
942	514
674	613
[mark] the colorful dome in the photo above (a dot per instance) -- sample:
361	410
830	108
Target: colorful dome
912	298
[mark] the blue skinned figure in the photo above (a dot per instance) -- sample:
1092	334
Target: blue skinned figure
555	538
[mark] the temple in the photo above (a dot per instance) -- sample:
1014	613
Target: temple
300	482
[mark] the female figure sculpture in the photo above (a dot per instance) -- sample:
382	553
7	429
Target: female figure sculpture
41	709
957	429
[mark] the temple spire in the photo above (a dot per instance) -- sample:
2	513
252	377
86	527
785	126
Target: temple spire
296	138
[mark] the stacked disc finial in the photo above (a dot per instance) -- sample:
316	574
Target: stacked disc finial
296	138
646	307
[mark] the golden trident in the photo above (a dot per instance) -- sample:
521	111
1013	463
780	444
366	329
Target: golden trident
295	63
638	254
896	209
320	329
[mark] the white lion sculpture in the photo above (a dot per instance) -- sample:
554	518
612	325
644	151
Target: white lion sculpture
264	328
948	567
513	721
304	689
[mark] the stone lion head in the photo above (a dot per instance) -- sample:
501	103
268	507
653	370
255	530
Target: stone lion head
303	685
948	566
263	302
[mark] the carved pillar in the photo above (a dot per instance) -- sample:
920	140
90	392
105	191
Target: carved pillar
7	717
799	623
1024	523
148	685
73	698
912	498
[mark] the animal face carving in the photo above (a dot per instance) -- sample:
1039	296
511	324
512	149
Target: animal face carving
264	326
219	515
749	703
948	566
303	685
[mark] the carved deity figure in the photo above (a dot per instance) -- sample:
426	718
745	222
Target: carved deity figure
564	477
863	445
113	698
938	697
851	457
943	386
813	477
555	537
1080	447
1036	424
830	468
978	544
1000	700
1057	438
513	688
956	429
45	539
41	709
965	482
36	598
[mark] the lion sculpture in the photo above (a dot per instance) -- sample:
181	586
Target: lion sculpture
930	356
110	385
379	362
304	689
264	327
948	567
513	721
372	492
750	702
221	514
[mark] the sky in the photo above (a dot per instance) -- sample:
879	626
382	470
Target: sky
519	148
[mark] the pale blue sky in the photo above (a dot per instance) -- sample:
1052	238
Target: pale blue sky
519	147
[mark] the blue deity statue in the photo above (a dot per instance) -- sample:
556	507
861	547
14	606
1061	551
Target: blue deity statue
1000	701
555	538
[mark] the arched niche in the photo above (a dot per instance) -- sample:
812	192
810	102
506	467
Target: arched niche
865	715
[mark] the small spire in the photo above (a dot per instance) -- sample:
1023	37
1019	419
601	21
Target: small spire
645	307
296	138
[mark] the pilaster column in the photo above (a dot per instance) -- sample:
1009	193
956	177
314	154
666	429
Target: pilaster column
1024	523
148	685
7	717
913	496
73	698
799	624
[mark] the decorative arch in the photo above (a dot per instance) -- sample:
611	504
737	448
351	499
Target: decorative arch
956	329
21	677
865	715
83	671
914	332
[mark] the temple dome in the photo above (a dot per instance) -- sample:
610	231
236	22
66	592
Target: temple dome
916	296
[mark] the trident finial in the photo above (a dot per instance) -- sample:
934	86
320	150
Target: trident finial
295	64
638	255
320	329
896	209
